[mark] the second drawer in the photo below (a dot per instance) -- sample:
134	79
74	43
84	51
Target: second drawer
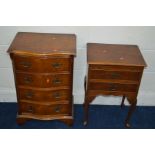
43	96
120	75
45	80
113	87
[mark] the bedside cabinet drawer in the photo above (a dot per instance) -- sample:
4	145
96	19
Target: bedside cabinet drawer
45	80
37	109
115	68
41	64
113	87
119	75
43	96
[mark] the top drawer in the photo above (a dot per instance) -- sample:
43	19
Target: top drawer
42	64
119	75
115	67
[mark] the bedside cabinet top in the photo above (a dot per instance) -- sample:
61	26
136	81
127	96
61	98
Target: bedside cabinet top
113	54
44	43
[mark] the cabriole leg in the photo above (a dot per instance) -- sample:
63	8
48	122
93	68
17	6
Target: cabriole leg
133	103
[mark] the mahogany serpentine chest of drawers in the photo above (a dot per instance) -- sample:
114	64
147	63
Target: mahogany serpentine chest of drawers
43	71
113	70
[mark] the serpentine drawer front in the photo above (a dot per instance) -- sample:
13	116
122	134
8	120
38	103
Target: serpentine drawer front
43	71
113	70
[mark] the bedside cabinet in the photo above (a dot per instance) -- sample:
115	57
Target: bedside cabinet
43	72
113	70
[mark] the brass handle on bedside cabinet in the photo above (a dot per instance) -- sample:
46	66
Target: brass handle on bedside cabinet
57	95
112	87
26	64
57	109
29	95
56	81
56	65
27	80
115	75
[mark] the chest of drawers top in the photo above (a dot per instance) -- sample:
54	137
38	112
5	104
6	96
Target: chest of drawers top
43	43
111	54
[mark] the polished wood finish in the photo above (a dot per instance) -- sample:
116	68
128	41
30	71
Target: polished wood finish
43	71
111	87
110	54
41	109
43	95
118	75
113	70
42	64
44	43
46	80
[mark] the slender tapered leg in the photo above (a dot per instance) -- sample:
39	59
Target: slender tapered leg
86	107
88	100
122	103
133	103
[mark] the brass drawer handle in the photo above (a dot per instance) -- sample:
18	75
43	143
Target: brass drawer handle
56	65
26	64
115	75
56	81
28	80
30	109
112	87
57	95
57	109
29	95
